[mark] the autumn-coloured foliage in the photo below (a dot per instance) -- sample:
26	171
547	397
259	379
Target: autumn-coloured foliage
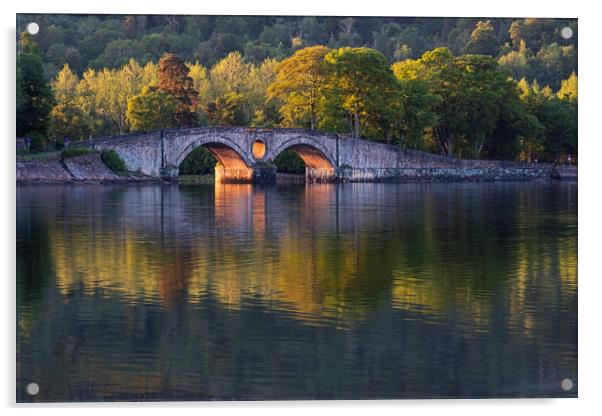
172	77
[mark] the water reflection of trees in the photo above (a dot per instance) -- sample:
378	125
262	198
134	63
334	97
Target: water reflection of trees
164	261
323	250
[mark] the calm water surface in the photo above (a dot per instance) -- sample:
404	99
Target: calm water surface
297	292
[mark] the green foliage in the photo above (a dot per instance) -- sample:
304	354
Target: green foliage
34	96
419	114
150	110
518	62
229	75
549	64
43	157
289	162
198	162
362	84
38	142
534	32
483	91
299	84
68	119
513	126
277	71
113	161
104	95
228	110
110	41
75	151
568	89
483	40
196	179
557	118
472	93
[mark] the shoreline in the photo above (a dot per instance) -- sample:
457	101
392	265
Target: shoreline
89	169
280	181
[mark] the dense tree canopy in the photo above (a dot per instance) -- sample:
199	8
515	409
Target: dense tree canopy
34	96
173	79
151	109
483	40
68	118
299	84
361	83
111	40
386	79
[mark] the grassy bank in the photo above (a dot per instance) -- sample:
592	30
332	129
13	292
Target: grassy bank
42	157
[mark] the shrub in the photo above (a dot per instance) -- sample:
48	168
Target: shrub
38	142
56	145
113	161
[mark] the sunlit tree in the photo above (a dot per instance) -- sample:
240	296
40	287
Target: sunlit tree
68	118
229	75
150	74
419	112
263	110
558	123
568	89
483	40
228	110
200	81
151	109
173	78
362	82
299	84
110	90
518	62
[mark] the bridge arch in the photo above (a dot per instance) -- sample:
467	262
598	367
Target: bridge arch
233	165
314	154
227	152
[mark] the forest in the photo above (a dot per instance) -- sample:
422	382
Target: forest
464	87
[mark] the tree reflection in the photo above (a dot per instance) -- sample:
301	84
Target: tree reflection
207	276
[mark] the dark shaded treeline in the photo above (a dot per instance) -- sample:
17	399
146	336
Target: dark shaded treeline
531	48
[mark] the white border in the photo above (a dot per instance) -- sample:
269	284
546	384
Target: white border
590	211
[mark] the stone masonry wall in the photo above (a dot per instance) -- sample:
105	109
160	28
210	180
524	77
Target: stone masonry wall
84	168
89	168
445	174
42	171
140	152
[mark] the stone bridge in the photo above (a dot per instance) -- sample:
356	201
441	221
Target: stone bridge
245	155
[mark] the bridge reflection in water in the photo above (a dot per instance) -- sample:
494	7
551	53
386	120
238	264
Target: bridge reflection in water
414	275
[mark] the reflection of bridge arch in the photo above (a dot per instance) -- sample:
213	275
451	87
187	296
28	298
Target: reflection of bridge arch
228	153
313	153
